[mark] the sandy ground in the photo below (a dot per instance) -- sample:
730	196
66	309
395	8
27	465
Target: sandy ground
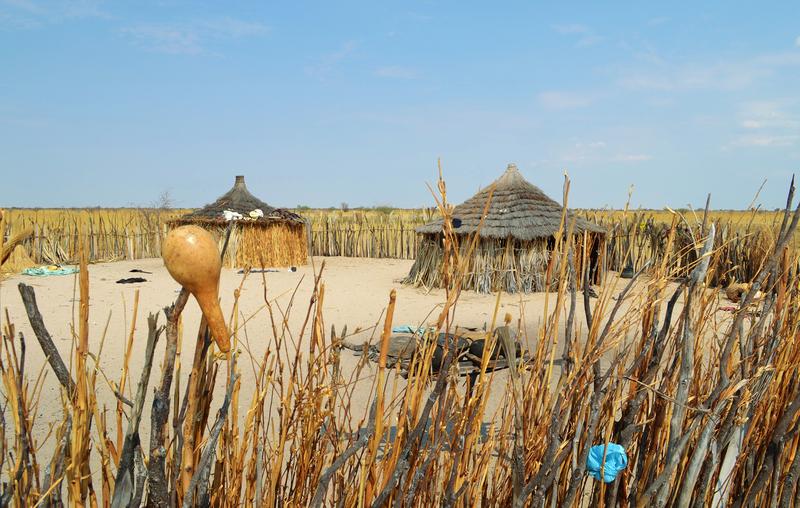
356	294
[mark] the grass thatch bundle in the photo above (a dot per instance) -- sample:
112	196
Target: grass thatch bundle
17	261
518	227
262	236
13	257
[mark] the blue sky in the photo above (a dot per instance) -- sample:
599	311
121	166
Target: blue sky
111	103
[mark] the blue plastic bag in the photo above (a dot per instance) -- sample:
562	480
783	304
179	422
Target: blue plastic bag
616	461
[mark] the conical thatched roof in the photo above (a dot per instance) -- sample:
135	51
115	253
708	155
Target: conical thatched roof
518	209
239	200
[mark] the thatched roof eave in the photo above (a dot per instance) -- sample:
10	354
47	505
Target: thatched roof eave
261	221
239	200
517	209
523	234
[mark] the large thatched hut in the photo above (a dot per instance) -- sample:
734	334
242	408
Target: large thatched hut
262	236
515	242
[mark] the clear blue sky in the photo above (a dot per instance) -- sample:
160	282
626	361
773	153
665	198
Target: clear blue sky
111	103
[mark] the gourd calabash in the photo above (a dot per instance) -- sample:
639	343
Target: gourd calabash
192	258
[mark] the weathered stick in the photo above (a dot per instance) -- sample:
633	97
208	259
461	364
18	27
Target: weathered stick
125	485
200	479
157	480
325	478
44	338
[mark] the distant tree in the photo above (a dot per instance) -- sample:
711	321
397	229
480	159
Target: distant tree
345	207
164	201
303	207
156	213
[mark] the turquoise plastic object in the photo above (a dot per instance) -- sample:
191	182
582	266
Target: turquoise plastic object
616	461
42	271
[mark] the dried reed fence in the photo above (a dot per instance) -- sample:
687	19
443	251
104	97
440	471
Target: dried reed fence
740	249
708	414
367	234
113	234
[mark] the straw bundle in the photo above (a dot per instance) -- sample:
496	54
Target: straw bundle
17	261
13	258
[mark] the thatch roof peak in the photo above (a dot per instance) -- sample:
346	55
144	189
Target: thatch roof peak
510	176
513	179
239	199
518	209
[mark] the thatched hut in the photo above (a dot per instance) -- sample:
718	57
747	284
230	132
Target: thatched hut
262	236
517	238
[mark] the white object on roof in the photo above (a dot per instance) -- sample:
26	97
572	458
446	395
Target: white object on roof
231	215
255	214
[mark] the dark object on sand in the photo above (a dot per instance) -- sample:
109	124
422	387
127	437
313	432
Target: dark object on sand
591	292
628	272
442	342
735	292
131	280
461	345
477	347
136	270
403	348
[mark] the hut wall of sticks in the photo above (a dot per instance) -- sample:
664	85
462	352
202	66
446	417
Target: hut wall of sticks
261	236
516	239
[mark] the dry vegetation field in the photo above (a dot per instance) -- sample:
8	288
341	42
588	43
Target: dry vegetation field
707	413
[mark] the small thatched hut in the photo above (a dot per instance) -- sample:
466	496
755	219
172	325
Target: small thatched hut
516	240
262	236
